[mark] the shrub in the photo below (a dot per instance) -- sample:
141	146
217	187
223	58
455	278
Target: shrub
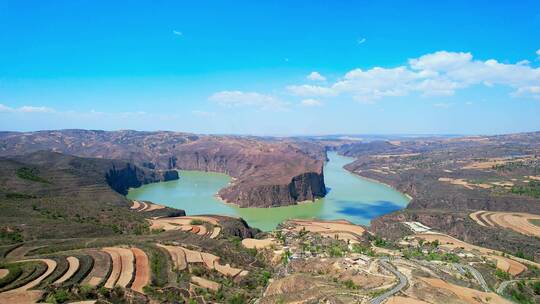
196	222
503	275
349	284
15	272
31	175
17	195
11	236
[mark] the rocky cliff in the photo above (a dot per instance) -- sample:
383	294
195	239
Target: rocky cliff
304	187
130	176
267	171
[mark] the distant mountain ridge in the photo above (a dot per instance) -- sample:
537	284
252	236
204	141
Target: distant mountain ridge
267	172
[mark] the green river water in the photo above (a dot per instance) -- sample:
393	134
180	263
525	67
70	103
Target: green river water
350	197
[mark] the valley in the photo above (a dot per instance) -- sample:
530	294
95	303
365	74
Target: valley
79	228
351	197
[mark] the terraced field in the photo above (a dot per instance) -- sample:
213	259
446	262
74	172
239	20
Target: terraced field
142	270
22	279
341	229
466	295
519	222
200	225
506	263
141	206
183	258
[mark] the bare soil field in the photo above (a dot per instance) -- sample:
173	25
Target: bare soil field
142	270
182	257
491	162
73	267
464	183
215	232
29	296
184	223
116	267
136	205
141	206
344	229
204	283
196	229
3	273
227	270
152	207
519	222
209	259
258	244
178	256
128	262
467	294
100	271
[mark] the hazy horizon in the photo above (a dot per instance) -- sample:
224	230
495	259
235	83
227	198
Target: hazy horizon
371	135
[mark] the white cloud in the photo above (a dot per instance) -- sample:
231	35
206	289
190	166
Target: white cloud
531	91
437	74
247	99
316	76
177	33
25	109
311	103
538	52
310	90
361	40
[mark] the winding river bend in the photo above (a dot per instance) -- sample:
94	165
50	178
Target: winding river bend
350	197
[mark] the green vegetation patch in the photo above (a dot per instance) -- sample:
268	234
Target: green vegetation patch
531	189
30	271
62	266
17	195
15	271
503	275
159	265
196	222
523	293
535	222
10	236
31	174
86	263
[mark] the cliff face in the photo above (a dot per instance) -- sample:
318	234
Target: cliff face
122	178
303	187
266	171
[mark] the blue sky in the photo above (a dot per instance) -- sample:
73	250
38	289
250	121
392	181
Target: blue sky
274	68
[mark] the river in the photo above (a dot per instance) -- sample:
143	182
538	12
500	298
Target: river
350	197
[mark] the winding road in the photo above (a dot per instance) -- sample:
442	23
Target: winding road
475	273
402	283
502	287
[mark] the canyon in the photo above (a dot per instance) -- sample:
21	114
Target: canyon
267	172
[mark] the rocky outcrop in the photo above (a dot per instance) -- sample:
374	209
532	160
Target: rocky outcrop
129	176
232	226
304	187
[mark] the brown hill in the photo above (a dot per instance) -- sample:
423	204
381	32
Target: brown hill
267	172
